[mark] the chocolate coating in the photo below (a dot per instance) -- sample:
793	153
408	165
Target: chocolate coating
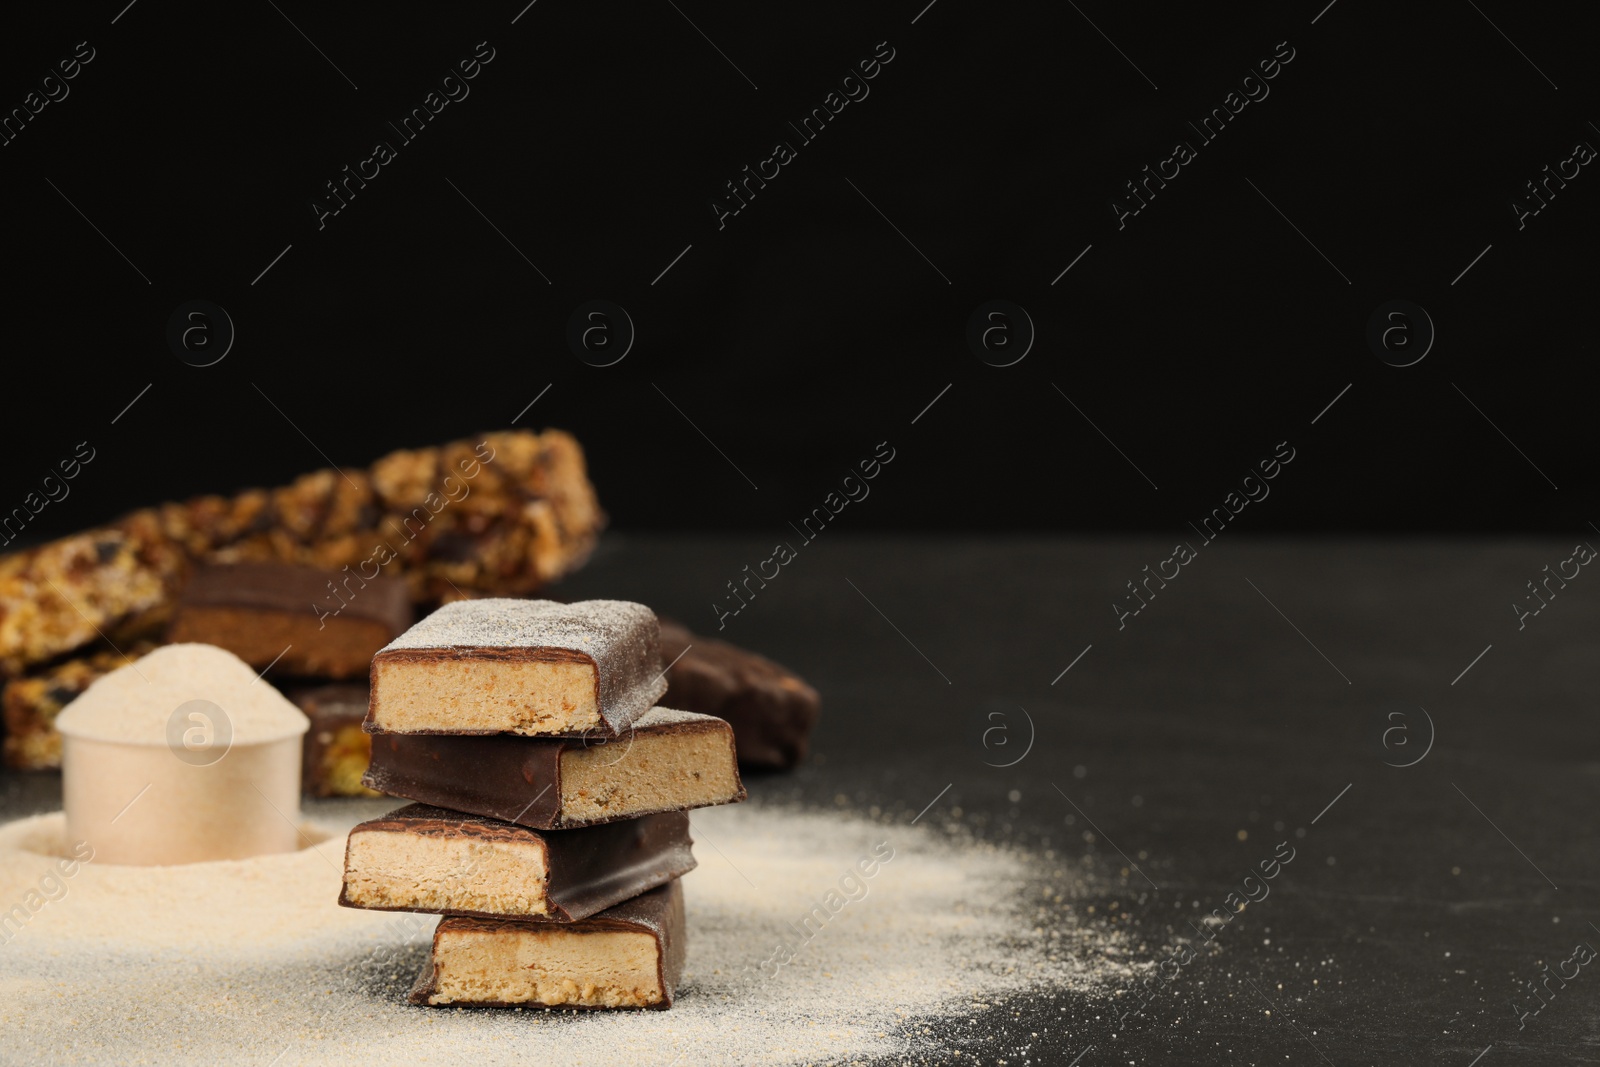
772	711
295	589
301	621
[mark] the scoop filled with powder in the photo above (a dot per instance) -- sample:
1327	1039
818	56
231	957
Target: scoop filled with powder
183	756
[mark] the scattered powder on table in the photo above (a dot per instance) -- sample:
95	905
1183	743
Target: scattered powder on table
244	961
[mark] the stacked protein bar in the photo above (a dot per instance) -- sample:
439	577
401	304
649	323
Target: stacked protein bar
552	828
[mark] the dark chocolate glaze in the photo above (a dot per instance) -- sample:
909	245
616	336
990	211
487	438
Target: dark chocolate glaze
658	913
587	870
772	710
295	589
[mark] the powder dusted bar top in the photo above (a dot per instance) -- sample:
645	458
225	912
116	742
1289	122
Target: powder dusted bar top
630	956
531	667
305	620
669	761
422	858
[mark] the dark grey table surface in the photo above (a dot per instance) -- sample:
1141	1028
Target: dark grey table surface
1265	695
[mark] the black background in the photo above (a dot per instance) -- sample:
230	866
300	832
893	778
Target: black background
808	330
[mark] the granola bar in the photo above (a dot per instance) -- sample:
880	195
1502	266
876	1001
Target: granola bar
502	515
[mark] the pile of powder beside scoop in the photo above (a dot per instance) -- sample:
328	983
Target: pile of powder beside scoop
258	955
